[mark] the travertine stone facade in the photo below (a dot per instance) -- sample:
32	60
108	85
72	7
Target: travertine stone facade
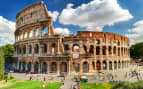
38	49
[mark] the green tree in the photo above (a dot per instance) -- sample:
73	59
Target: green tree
137	50
1	64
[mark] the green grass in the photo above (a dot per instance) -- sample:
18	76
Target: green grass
96	86
32	85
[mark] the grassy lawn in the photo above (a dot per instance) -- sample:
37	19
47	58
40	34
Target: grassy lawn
31	85
96	86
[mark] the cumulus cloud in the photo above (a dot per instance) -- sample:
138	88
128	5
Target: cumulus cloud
7	29
54	15
95	14
135	34
63	31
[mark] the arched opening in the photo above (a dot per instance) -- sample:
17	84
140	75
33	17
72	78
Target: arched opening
24	49
36	49
91	51
97	50
20	65
118	51
53	46
30	49
93	65
110	52
104	65
122	51
29	66
110	65
115	65
104	50
44	68
44	48
24	66
98	65
63	67
38	32
85	67
76	67
53	67
76	48
36	67
122	64
66	47
46	30
114	51
119	65
85	49
30	33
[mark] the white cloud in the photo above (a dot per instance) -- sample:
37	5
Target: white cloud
63	31
54	15
95	15
7	29
136	34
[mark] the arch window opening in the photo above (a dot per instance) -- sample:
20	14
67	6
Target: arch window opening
114	51
44	68
63	67
119	65
24	50
76	48
29	66
36	67
44	48
91	51
85	49
66	47
98	65
104	65
97	50
46	30
38	32
76	67
115	65
24	66
36	49
110	65
110	52
104	50
85	67
54	67
93	65
53	48
30	49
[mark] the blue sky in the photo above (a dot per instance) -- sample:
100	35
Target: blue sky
125	19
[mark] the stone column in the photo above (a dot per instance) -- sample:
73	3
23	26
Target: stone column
107	65
101	64
81	70
107	50
90	67
21	67
112	48
101	53
95	64
113	65
58	68
39	68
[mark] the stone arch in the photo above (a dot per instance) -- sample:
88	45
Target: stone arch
119	51
104	50
114	50
24	49
110	65
44	67
53	46
76	48
104	65
20	65
110	52
36	67
97	50
30	49
98	65
93	65
66	47
36	49
63	67
37	31
85	67
122	64
46	30
23	66
76	67
44	48
29	66
85	48
115	65
53	67
91	50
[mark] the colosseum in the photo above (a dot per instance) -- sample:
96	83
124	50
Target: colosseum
38	49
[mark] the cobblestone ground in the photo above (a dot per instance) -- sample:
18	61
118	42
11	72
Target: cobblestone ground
128	74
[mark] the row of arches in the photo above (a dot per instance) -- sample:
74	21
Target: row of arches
41	67
27	49
33	32
101	50
99	65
